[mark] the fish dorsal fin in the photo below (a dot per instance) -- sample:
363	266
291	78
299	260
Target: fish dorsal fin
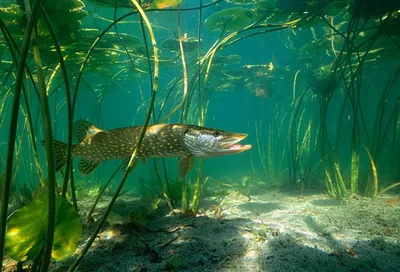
83	129
86	166
185	165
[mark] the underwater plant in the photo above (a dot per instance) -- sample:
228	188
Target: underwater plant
58	56
27	228
362	44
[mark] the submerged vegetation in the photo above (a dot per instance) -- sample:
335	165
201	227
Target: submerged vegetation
330	117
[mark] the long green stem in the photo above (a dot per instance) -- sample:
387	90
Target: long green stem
185	80
46	115
89	216
13	126
199	178
10	43
133	160
293	139
69	103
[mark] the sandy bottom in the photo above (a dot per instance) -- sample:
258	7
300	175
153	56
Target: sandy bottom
274	231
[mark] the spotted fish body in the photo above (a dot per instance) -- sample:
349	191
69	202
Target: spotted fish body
160	140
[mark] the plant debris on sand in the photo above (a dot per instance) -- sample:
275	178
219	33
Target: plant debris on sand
275	231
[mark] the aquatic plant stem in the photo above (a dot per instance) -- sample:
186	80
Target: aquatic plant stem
194	207
374	187
333	176
353	87
67	95
261	154
166	191
185	87
133	160
73	191
51	179
389	188
104	217
10	42
127	52
185	78
69	105
292	136
201	94
378	137
13	126
89	216
201	121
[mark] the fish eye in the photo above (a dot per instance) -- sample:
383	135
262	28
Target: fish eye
216	134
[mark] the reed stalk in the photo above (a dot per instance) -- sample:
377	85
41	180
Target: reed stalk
11	44
90	213
13	125
67	87
46	115
133	160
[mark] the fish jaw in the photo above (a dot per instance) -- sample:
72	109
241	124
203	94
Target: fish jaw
230	144
204	142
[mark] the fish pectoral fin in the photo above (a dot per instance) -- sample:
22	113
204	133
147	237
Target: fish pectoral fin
185	165
83	129
87	166
144	161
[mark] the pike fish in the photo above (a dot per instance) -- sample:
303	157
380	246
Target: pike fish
160	140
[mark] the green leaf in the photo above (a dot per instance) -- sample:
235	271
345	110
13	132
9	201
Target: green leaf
190	44
267	5
226	60
67	16
10	13
162	4
240	2
68	230
230	19
63	5
27	227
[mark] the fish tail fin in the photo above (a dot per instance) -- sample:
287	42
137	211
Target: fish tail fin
60	154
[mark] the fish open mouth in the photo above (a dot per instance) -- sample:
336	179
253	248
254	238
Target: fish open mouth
239	147
232	143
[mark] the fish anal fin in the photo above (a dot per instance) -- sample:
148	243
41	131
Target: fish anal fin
83	129
87	166
185	165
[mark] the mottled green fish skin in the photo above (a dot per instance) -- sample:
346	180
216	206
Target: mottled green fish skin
159	141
